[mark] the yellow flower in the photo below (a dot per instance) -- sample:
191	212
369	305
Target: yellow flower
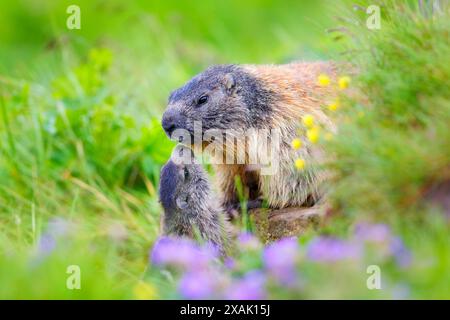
344	82
308	121
361	114
144	291
300	164
313	134
296	143
333	106
323	80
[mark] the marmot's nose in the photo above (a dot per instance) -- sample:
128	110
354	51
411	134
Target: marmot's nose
169	122
168	125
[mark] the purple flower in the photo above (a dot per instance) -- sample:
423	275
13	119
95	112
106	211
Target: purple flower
229	263
248	241
401	254
196	285
211	250
280	259
56	228
250	287
381	234
180	253
377	233
283	253
47	243
326	249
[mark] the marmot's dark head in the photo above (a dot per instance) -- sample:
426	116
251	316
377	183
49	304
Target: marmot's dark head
183	188
222	97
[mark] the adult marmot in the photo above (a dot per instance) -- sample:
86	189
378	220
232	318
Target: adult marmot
257	98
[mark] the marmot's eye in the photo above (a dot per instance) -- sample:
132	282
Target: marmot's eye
186	173
202	100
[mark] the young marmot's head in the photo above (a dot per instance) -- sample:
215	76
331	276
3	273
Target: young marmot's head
184	188
222	97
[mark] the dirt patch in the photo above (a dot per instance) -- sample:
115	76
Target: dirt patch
275	224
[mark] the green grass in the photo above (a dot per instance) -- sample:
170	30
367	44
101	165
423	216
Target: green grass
80	138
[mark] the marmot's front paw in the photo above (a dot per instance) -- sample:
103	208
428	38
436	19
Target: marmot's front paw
232	211
254	204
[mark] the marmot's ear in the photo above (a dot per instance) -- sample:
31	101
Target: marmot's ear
181	203
229	83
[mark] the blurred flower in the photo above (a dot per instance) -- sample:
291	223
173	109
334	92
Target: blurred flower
381	234
47	243
334	106
280	260
229	263
300	164
325	249
401	254
56	227
344	82
248	241
210	250
372	232
313	134
308	120
250	287
183	253
196	285
323	80
296	144
144	291
283	252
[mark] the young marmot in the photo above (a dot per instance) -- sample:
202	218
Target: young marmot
244	97
188	203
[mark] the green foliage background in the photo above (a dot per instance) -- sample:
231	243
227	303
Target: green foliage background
80	137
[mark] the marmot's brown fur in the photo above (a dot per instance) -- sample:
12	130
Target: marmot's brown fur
244	97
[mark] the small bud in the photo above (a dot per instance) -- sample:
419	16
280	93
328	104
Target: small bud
300	164
344	82
333	106
313	134
308	121
296	144
323	80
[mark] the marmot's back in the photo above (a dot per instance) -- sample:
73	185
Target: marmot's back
297	87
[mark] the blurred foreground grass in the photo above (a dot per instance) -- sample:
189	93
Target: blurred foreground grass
81	144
